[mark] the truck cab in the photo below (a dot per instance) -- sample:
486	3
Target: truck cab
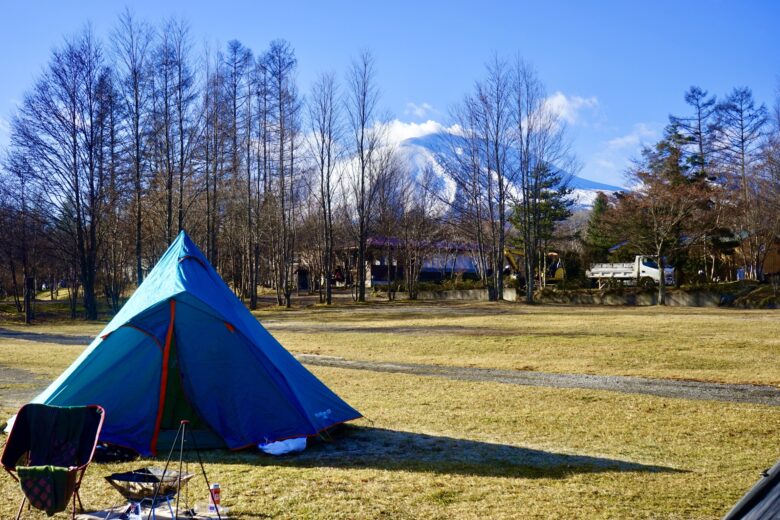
646	267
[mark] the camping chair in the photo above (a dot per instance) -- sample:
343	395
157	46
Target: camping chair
48	451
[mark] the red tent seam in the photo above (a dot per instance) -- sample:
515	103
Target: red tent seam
163	378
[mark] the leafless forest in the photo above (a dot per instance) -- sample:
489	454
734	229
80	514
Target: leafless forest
121	143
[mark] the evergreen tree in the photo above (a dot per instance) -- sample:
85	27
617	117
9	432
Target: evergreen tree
669	211
597	242
539	218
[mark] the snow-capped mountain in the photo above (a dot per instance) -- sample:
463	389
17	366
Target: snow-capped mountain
584	191
421	147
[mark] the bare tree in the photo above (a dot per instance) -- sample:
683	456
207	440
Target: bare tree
419	229
463	163
185	95
280	63
509	157
18	192
114	256
539	168
213	149
768	184
173	122
132	40
58	131
239	66
741	126
324	118
494	125
364	124
392	193
161	135
260	230
699	131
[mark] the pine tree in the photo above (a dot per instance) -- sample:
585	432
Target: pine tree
597	241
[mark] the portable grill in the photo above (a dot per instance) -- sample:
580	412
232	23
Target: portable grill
140	486
153	486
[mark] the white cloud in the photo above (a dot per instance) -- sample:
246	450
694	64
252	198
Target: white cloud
615	156
638	136
420	111
398	131
605	163
570	108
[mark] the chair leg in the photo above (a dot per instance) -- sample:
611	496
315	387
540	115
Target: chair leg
21	506
78	497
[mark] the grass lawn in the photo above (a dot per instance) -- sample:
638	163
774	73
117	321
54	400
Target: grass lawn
721	345
435	448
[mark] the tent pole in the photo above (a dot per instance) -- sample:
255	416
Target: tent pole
181	457
162	477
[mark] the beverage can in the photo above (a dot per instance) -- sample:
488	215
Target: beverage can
214	497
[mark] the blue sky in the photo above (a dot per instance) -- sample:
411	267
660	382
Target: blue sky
615	69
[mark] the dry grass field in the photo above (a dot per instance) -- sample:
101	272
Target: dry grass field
723	345
438	448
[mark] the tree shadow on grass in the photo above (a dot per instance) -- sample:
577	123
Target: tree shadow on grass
390	311
427	330
354	447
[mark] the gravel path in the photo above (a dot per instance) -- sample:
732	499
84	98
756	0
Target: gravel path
753	394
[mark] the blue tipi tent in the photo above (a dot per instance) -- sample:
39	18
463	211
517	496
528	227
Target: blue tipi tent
184	347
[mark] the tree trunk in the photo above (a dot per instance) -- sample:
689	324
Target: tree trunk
529	278
17	301
329	263
661	280
29	296
361	266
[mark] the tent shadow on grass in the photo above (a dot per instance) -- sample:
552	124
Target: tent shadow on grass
355	447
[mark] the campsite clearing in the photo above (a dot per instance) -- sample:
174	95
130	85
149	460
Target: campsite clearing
704	344
441	448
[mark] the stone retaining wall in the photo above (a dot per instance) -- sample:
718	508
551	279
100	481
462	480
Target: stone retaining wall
673	297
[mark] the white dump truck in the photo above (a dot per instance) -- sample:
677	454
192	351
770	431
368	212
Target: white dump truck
643	271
